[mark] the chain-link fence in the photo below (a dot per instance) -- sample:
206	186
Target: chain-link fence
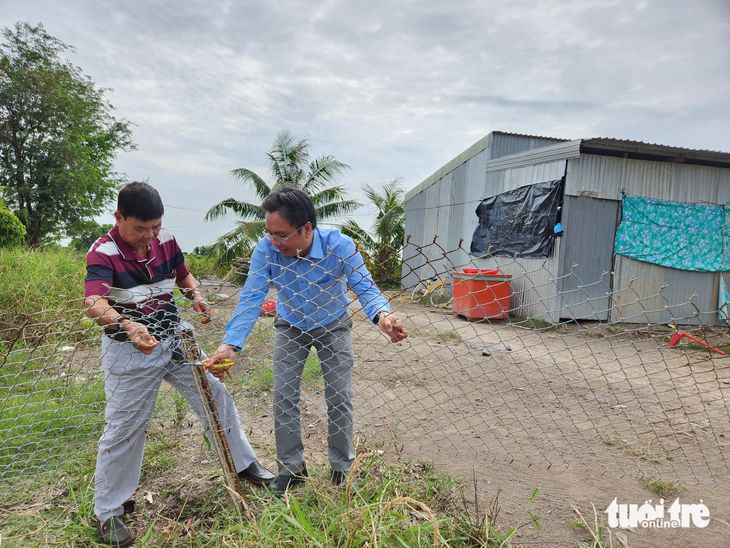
498	379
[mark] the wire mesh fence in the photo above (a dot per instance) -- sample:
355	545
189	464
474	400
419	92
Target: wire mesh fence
496	366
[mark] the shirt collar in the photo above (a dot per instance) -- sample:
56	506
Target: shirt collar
316	252
126	251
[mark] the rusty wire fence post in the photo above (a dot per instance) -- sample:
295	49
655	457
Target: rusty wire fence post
215	431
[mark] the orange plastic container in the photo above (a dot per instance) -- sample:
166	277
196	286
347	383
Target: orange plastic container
481	294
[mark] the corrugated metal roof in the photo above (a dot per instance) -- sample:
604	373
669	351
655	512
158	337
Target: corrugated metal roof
649	151
611	140
610	147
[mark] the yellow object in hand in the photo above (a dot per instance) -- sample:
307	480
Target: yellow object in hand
218	366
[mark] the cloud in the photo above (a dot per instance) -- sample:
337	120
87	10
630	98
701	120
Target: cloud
391	88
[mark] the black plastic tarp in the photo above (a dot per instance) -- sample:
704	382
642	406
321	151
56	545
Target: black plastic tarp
518	223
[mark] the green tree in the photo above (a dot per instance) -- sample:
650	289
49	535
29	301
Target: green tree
88	234
203	250
58	139
382	247
11	229
289	165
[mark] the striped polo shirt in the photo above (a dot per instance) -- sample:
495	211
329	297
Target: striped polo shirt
138	287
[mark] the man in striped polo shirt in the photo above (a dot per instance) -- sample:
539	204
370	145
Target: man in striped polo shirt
131	273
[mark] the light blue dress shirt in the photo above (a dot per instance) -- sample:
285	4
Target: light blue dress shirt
311	291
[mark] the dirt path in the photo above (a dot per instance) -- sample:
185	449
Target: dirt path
583	412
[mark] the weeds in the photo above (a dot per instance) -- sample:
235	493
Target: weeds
647	453
398	504
41	293
181	407
159	454
483	528
665	488
530	322
598	530
616	440
696	346
651	454
448	337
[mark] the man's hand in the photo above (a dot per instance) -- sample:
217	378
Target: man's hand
140	337
201	307
224	352
391	325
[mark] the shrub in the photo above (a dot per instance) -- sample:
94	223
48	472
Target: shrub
12	230
40	290
202	266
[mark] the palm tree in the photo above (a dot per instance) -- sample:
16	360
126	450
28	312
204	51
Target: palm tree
383	246
289	165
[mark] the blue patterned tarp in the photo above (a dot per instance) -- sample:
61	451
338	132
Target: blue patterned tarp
684	236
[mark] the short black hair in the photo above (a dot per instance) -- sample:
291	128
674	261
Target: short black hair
294	205
141	201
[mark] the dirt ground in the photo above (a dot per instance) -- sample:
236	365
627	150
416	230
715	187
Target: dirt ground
581	411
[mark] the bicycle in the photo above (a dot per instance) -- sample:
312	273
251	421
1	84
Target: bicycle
438	290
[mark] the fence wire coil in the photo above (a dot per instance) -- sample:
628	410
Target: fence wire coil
602	395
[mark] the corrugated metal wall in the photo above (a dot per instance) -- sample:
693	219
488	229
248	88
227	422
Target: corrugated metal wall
534	285
510	179
506	145
415	227
648	293
660	290
474	192
605	176
586	257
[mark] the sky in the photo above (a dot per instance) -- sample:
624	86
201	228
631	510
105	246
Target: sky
392	88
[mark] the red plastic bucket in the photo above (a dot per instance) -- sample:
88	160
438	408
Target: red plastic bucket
481	294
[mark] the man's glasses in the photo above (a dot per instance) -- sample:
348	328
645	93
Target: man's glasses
280	239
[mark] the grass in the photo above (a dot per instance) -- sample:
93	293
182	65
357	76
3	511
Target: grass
41	295
50	395
664	488
696	346
600	534
534	323
203	265
644	452
43	419
159	454
448	337
482	528
399	504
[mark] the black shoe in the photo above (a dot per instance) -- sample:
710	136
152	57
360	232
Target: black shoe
282	482
338	477
114	532
256	474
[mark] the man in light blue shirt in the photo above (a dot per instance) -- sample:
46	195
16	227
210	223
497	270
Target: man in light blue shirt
310	268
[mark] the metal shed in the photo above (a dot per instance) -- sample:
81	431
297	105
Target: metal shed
444	203
581	279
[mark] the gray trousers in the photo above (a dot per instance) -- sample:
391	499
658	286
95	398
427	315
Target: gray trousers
131	382
334	348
